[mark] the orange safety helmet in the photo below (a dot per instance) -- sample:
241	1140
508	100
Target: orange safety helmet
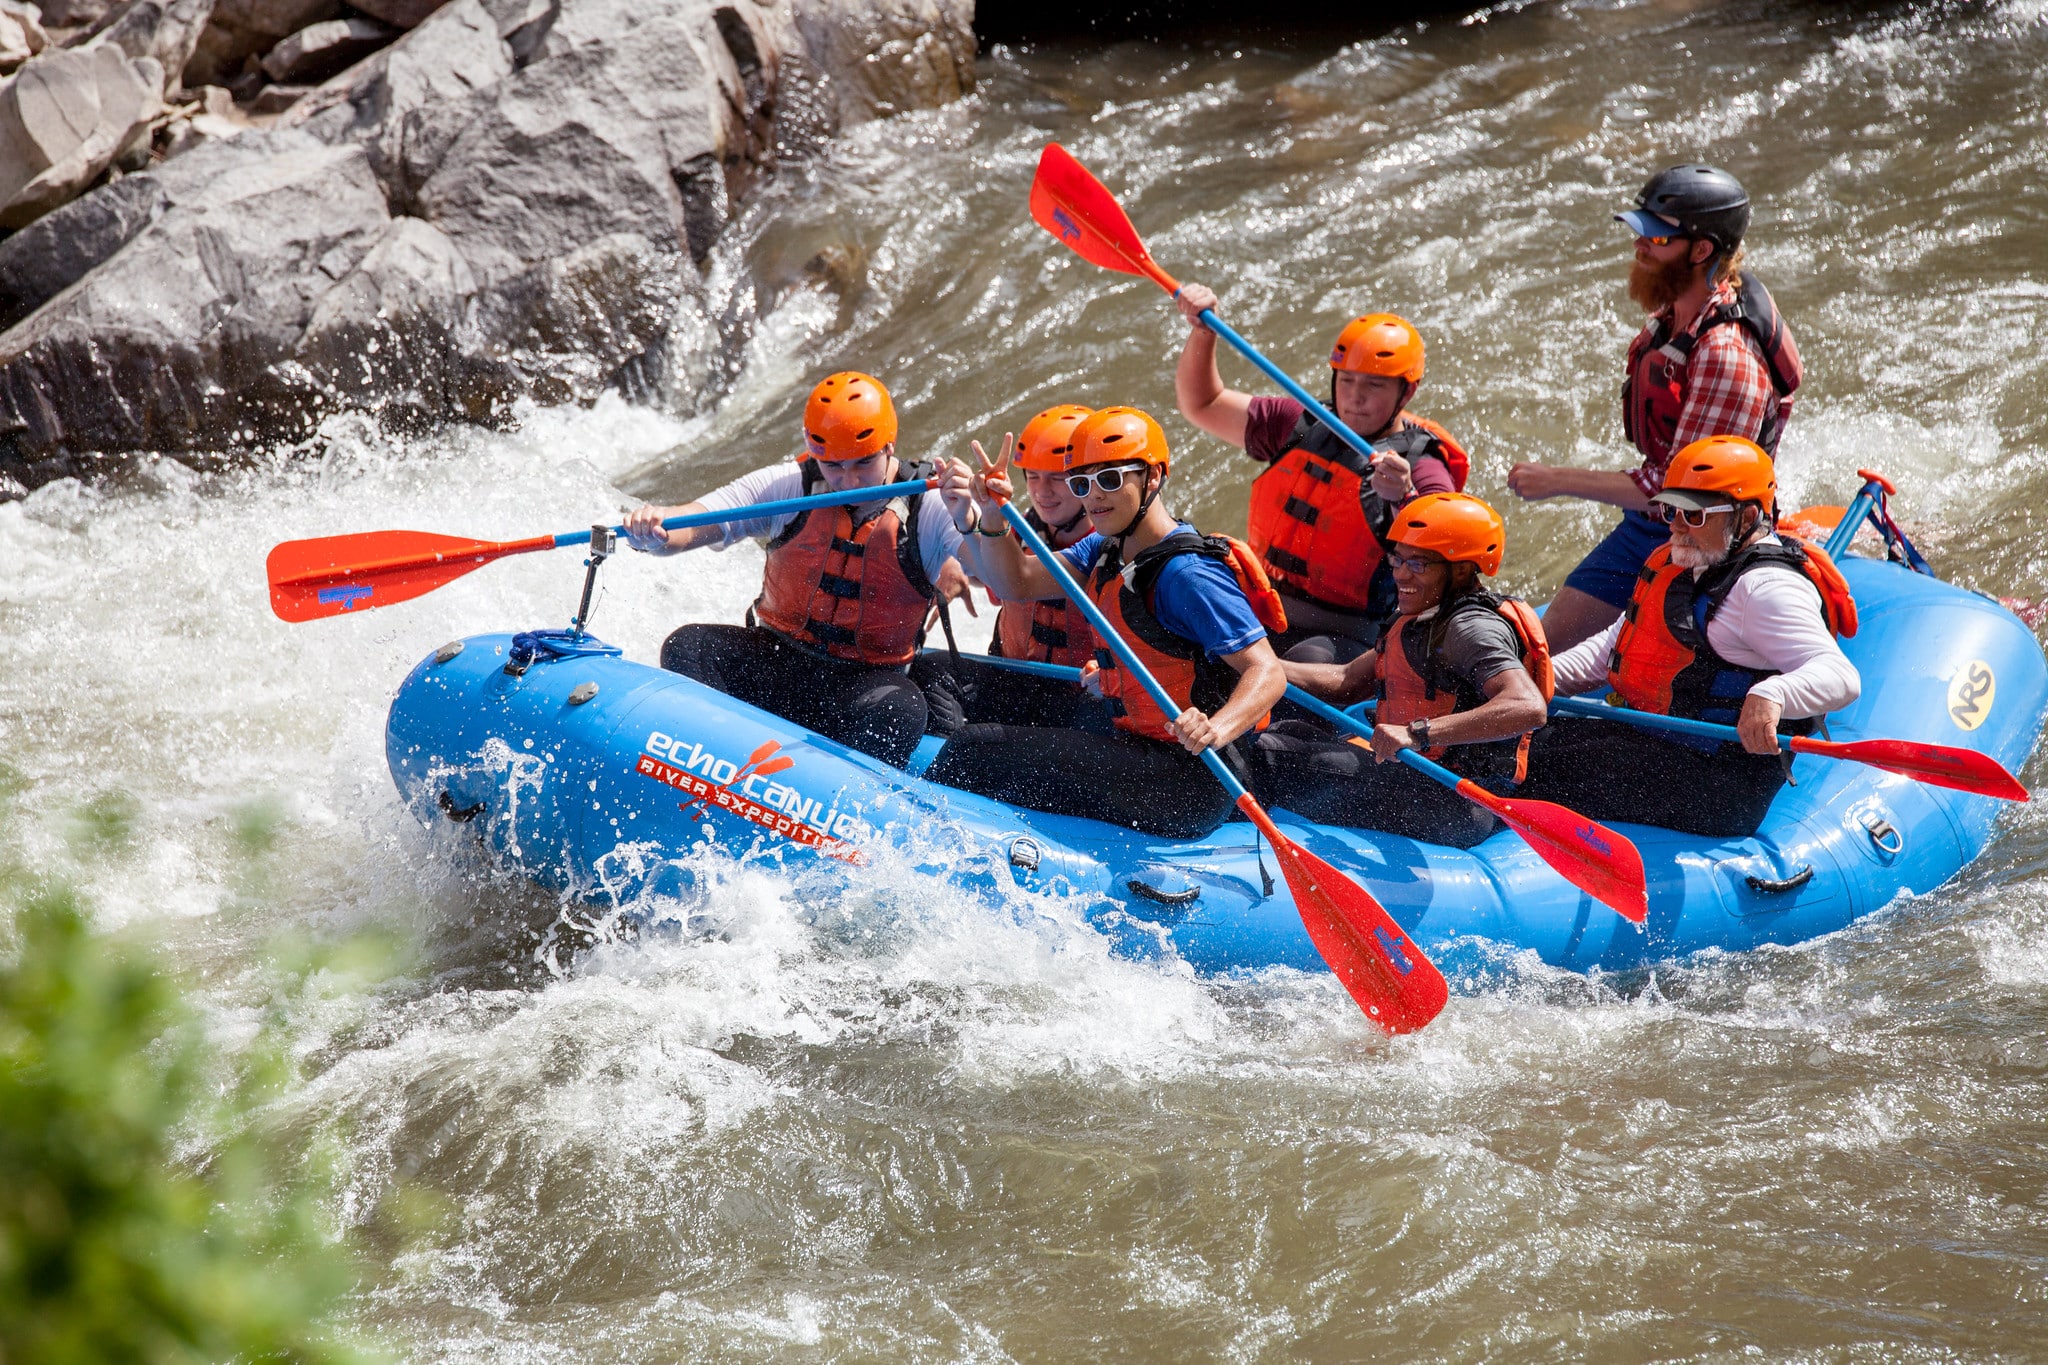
1720	469
1379	343
1457	526
1115	435
1043	444
849	417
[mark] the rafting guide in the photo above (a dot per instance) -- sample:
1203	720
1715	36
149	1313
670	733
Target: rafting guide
1715	359
1120	737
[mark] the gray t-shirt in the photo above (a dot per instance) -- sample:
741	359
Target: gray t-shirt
1478	646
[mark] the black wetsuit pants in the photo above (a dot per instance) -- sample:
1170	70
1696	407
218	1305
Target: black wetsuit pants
977	692
1302	767
878	711
1610	771
1122	779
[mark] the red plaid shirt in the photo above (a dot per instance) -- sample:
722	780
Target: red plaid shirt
1727	387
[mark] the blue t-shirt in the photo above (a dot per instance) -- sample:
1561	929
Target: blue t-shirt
1195	597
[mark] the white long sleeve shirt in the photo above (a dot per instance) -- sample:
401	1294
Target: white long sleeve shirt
1772	618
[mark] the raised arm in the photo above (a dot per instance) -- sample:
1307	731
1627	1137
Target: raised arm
1535	481
975	498
1197	384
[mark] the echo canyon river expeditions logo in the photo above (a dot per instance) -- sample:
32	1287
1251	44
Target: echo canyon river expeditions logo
745	789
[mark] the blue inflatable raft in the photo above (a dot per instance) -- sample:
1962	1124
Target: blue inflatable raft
598	776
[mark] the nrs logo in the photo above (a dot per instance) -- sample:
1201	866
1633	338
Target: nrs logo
1970	694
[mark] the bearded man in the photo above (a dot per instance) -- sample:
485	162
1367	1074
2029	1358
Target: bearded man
1727	623
1714	359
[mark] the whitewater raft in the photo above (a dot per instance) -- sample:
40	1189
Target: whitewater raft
604	778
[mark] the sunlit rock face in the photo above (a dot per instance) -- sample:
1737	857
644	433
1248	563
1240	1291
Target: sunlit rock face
514	199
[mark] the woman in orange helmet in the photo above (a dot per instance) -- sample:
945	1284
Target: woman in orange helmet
1320	511
1178	598
962	691
1463	675
1729	622
846	591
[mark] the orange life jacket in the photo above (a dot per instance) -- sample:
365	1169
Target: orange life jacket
1417	684
1316	522
1054	632
1183	668
1662	661
855	590
1653	394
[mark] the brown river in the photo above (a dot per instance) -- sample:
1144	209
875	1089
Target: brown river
902	1128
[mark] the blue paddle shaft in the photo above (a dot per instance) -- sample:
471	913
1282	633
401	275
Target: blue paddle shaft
1422	763
1651	720
1116	643
1286	381
843	498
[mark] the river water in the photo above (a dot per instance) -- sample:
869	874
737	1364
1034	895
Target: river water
900	1128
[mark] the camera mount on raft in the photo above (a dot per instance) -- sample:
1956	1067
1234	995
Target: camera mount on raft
603	540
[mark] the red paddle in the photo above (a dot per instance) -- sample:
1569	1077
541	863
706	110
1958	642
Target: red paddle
1074	206
310	579
1396	985
330	575
1938	765
1599	861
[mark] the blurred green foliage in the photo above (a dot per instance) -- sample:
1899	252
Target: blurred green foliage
144	1215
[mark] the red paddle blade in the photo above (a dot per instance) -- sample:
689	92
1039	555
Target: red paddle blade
1597	860
330	575
1938	765
1392	980
775	765
760	755
1073	206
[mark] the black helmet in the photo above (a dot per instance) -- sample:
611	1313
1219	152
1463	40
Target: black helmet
1705	201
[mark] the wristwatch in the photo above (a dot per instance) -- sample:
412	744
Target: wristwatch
1418	730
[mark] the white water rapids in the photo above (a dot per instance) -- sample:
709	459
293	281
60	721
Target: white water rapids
902	1127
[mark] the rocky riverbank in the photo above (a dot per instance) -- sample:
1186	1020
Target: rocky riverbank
478	201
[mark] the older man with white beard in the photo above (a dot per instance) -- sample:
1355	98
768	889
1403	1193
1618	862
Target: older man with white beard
1727	623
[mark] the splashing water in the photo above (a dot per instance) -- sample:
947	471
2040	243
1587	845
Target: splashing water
890	1122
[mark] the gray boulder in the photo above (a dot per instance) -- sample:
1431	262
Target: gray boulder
240	29
64	118
186	336
162	31
21	33
73	13
399	13
316	52
57	250
511	200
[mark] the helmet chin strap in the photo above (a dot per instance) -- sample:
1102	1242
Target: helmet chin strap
1756	529
1144	506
